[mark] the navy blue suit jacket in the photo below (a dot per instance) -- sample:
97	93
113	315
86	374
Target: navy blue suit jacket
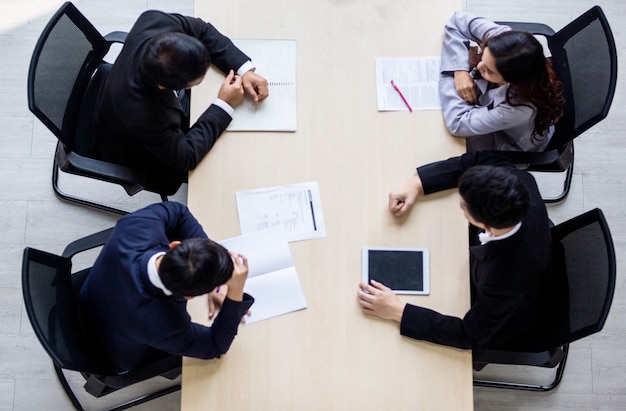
141	126
510	278
132	321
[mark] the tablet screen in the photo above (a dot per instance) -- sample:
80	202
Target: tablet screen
405	271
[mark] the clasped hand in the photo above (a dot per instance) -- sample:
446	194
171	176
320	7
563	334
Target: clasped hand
231	90
465	86
234	86
401	199
255	86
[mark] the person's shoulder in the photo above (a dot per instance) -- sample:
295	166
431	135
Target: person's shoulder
156	209
152	14
158	15
154	20
148	24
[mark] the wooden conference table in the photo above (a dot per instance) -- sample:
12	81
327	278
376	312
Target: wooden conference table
330	356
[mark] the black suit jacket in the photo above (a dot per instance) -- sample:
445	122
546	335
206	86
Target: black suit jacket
139	125
132	321
510	278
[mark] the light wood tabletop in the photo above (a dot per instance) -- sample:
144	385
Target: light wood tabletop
331	356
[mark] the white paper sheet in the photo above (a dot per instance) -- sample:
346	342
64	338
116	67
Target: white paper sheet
295	207
272	278
275	293
416	77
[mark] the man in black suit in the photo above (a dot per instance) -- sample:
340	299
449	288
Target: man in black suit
142	111
133	303
510	269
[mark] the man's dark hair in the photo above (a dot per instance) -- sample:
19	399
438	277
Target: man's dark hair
173	60
494	196
195	267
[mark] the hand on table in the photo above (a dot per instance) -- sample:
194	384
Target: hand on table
231	90
377	299
255	86
401	199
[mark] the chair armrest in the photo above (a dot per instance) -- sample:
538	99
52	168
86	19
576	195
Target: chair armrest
171	364
87	243
113	171
540	359
100	169
116	37
530	157
535	28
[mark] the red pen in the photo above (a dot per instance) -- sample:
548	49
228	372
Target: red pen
401	95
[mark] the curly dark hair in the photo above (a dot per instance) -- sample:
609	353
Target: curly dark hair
520	60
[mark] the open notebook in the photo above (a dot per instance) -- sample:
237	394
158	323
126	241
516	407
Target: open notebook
272	277
275	60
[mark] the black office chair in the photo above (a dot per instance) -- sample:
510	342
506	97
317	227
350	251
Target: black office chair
64	78
585	60
584	259
50	292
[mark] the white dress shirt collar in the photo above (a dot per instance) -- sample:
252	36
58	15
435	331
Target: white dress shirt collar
486	237
153	274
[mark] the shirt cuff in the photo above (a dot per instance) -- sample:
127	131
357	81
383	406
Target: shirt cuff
224	106
246	67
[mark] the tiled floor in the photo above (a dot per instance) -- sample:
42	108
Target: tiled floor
596	371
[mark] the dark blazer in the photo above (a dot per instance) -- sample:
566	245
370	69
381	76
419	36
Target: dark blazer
141	126
132	321
510	278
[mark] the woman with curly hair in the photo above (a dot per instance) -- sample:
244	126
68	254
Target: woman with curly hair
500	93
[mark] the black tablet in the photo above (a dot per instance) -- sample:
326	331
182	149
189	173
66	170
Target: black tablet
404	270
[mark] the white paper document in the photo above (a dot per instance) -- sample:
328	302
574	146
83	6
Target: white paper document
275	60
417	78
295	207
272	277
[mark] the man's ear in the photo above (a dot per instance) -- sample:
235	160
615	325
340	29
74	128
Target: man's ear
174	244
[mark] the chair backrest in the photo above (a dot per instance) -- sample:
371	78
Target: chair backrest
585	60
51	303
587	257
66	55
84	139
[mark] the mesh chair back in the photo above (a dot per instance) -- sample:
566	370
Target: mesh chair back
589	263
51	306
585	60
67	54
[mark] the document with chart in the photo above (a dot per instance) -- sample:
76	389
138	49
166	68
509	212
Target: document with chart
275	60
272	277
416	80
296	208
